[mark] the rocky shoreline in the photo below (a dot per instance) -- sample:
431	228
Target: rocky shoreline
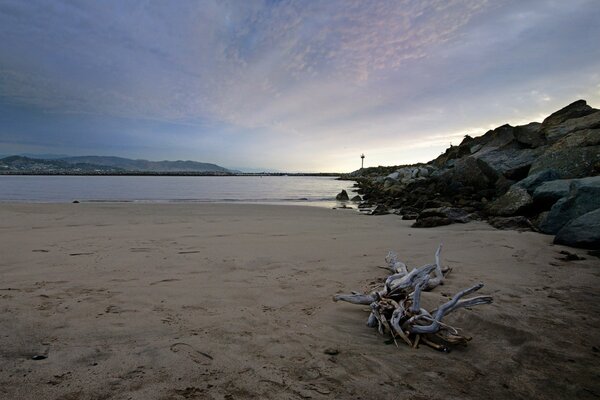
539	176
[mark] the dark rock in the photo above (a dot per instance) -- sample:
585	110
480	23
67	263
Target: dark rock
583	197
430	222
548	193
434	203
469	172
75	201
570	162
441	216
410	216
516	200
519	223
356	199
530	135
534	180
511	161
583	231
380	210
342	196
590	121
576	109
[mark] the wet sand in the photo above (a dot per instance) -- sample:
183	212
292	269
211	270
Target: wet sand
223	301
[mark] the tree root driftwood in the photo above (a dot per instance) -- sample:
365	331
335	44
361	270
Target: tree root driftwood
396	309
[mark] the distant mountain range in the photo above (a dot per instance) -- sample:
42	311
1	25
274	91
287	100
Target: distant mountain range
104	165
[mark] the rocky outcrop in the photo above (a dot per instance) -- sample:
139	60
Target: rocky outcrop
537	176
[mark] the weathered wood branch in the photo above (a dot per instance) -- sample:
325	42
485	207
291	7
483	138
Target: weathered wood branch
396	309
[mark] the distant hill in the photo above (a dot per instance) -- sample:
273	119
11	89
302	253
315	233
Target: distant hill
23	165
147	166
105	166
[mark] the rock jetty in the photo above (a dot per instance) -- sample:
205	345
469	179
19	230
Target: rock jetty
539	176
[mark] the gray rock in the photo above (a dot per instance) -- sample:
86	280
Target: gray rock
515	201
590	121
380	210
430	222
342	196
530	135
534	180
513	162
576	109
454	214
519	223
356	199
570	162
583	231
583	197
548	193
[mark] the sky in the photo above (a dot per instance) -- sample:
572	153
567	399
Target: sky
282	84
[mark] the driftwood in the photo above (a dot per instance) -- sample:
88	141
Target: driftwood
396	309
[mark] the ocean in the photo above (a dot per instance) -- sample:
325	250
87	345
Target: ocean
304	190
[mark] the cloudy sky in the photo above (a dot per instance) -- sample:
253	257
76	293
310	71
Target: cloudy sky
283	84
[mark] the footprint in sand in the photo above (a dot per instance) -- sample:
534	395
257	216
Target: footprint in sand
196	356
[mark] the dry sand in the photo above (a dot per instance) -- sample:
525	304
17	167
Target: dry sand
183	301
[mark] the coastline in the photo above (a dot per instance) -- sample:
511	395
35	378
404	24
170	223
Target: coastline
213	300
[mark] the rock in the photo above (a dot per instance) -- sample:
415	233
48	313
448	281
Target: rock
516	200
469	172
380	210
430	222
530	135
511	161
583	197
570	162
519	223
356	199
75	201
342	196
583	231
581	138
576	109
410	216
534	180
590	121
548	193
441	216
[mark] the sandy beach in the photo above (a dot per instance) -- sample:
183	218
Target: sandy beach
229	301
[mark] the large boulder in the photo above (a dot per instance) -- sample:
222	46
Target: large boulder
530	135
570	162
590	121
533	181
511	161
468	172
517	200
548	193
583	197
583	231
576	109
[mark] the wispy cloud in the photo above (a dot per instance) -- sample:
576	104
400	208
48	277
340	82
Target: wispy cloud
231	78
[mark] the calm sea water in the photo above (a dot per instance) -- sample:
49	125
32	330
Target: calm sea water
319	191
